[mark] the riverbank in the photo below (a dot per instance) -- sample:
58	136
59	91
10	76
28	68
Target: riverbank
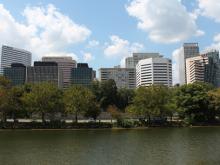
58	125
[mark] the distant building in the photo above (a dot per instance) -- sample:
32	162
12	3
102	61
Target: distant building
204	68
14	55
16	74
123	77
65	64
93	75
188	50
154	71
44	72
131	62
82	75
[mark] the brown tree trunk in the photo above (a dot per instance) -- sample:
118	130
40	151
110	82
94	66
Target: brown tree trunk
4	118
76	117
149	122
43	117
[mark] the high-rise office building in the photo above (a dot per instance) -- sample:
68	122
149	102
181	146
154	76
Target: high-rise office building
14	55
195	69
16	74
154	71
44	72
82	75
131	62
188	50
123	77
204	68
65	64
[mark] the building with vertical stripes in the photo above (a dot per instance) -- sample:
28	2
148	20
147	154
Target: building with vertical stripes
44	72
204	68
157	71
123	77
65	64
14	55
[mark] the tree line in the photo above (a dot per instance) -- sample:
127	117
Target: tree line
197	102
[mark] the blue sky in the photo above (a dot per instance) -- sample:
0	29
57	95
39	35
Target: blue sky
103	32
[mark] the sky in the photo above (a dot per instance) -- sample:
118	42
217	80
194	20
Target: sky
105	32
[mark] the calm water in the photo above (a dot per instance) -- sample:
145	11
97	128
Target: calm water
196	146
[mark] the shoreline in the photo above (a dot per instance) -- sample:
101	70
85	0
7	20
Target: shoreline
101	129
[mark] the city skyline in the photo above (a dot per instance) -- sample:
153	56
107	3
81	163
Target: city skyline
91	32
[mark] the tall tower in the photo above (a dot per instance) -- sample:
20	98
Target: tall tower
154	71
14	55
65	64
188	50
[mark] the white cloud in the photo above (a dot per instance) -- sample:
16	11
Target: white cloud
121	48
215	44
177	66
93	43
45	30
210	8
164	21
74	56
87	57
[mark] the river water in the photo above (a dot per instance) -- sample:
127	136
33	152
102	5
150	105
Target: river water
162	146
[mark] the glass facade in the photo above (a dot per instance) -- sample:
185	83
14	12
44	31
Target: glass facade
82	75
212	69
16	74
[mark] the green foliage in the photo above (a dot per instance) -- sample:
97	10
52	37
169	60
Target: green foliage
124	98
79	100
15	101
108	92
214	101
197	102
193	102
93	111
4	97
151	101
96	90
114	111
43	98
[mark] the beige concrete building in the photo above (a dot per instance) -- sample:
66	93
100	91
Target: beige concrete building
131	62
65	64
123	77
195	68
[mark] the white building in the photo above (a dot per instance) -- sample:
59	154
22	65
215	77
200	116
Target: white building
14	55
195	68
123	77
154	71
131	62
204	68
188	50
65	64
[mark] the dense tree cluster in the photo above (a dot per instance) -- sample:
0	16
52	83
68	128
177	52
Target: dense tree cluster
197	102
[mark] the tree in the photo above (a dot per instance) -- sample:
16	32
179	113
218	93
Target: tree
15	101
4	103
115	113
192	101
124	98
93	111
108	93
96	90
214	102
5	83
150	102
43	98
141	103
4	97
78	100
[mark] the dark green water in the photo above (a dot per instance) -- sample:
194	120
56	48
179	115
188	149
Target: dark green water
168	146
